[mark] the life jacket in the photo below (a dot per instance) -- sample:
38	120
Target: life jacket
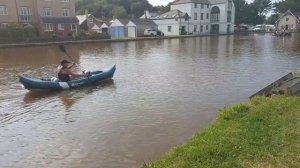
63	77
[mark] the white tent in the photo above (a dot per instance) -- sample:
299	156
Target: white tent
96	29
131	27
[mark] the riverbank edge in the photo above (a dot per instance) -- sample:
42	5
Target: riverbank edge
103	40
265	132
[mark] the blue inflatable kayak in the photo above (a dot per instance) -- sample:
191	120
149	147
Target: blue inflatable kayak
38	84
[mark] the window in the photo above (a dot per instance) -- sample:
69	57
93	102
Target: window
3	10
66	12
207	16
229	4
47	11
195	28
65	0
202	14
195	5
215	14
73	27
287	19
48	27
61	26
25	14
229	16
169	28
195	16
207	5
206	27
201	28
202	6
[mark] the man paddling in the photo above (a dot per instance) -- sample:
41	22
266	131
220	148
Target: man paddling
64	72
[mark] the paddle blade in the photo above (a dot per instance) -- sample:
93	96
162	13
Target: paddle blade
62	48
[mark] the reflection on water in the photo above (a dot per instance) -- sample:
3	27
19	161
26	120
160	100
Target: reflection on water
163	92
67	97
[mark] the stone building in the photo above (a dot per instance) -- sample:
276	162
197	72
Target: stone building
288	21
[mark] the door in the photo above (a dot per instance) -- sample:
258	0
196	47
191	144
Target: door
215	29
117	32
228	28
131	32
286	27
183	32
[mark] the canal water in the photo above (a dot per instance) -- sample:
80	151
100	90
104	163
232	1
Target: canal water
162	93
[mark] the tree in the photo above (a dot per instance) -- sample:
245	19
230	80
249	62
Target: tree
110	8
119	12
283	6
240	11
273	18
253	13
162	9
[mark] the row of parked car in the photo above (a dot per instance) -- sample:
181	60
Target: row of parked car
257	28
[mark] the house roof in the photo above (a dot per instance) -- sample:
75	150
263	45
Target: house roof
72	20
104	25
117	23
82	18
191	1
172	15
95	27
297	14
131	24
144	22
149	15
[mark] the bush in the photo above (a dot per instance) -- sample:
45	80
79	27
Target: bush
21	34
17	33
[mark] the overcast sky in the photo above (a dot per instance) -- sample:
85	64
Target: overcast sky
165	2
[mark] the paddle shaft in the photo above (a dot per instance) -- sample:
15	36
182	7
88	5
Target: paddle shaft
63	49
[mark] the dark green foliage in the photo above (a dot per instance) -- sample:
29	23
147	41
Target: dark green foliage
272	19
285	5
253	13
17	33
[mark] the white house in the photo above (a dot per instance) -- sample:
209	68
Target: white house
173	23
199	11
222	16
204	17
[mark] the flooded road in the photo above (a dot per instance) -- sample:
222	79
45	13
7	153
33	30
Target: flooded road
162	93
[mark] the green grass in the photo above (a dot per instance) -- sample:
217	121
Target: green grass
262	133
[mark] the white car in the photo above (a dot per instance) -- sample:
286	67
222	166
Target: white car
259	28
153	32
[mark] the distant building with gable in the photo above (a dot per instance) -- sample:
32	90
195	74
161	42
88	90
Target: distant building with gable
197	17
290	20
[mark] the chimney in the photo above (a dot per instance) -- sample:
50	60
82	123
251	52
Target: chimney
86	12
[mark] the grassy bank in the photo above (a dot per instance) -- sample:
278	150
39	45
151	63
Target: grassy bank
262	133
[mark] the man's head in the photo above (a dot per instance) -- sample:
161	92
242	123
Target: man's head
64	63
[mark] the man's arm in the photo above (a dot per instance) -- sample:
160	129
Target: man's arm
71	65
74	74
